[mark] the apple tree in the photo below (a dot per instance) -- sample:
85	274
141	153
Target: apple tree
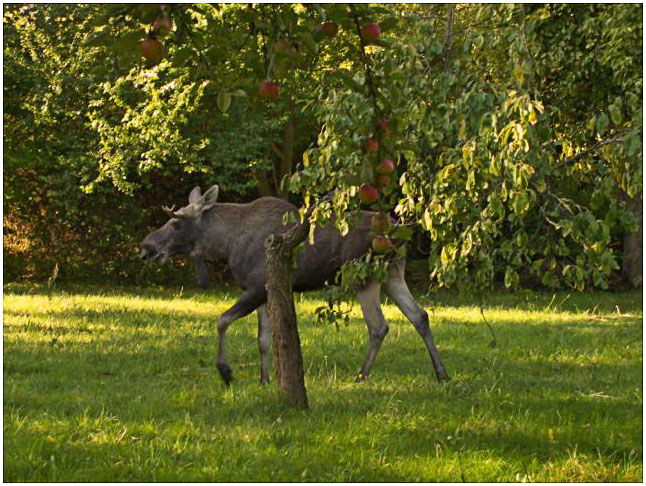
505	138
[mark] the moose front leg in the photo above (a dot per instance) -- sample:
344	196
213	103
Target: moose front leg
248	302
377	325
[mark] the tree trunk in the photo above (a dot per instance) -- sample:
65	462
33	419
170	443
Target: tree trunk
264	189
448	39
287	152
282	315
633	244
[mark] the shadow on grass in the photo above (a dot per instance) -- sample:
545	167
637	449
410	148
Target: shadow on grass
547	390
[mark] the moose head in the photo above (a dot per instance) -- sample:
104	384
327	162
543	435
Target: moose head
182	232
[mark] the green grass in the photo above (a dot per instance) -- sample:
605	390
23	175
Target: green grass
106	384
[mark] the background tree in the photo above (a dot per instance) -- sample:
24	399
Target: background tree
517	171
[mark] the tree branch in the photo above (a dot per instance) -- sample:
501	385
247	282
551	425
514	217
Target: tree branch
276	150
583	153
264	189
366	62
190	35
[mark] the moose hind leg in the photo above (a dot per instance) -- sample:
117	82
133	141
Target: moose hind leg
248	302
396	288
377	325
264	341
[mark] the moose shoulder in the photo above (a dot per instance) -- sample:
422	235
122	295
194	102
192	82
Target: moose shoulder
208	230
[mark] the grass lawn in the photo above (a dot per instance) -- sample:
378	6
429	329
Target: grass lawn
105	384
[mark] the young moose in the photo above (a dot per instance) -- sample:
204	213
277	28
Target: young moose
208	230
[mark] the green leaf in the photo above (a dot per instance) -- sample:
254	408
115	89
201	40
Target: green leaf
99	39
352	180
522	240
128	43
388	23
520	204
602	123
427	221
180	56
223	101
632	144
403	233
511	277
519	74
615	114
366	171
448	254
496	205
436	48
308	42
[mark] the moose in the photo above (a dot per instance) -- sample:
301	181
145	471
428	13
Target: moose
207	230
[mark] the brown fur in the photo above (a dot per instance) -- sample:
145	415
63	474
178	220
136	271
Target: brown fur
237	232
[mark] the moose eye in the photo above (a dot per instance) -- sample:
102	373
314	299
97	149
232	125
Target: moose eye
176	225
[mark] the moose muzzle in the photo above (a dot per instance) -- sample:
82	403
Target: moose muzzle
148	252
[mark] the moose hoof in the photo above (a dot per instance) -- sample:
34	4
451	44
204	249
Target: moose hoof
360	378
225	373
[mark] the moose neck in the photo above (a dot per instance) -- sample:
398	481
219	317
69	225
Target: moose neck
219	228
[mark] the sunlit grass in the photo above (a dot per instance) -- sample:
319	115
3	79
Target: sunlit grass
106	384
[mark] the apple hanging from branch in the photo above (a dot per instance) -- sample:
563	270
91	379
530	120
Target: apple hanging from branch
368	194
329	29
381	244
152	49
371	145
385	167
370	32
384	128
382	181
269	90
162	26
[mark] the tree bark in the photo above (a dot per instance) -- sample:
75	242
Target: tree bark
448	39
633	244
290	376
264	189
287	152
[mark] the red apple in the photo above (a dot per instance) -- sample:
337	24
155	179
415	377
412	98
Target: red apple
268	90
384	126
162	26
385	167
329	29
371	145
368	194
152	49
380	222
370	32
381	244
382	181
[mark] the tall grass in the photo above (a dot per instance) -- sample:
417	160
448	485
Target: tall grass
105	384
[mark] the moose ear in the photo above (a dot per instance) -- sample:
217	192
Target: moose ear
210	198
195	194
